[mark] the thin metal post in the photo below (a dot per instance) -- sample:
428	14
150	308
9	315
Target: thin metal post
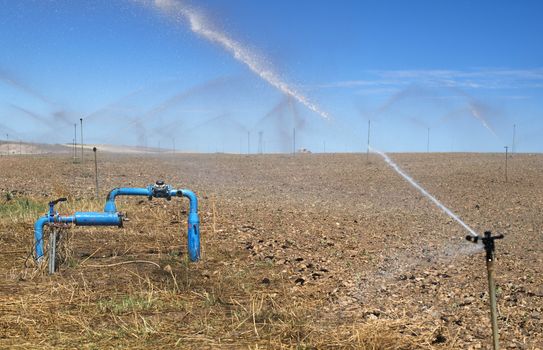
506	156
368	148
7	142
52	250
81	120
248	142
96	171
513	148
75	142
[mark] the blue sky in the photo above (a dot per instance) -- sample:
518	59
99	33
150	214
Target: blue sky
206	73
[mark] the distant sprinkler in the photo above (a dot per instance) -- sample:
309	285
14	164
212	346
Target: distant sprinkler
248	142
260	144
513	147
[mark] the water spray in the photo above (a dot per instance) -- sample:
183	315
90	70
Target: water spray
488	243
200	26
413	183
294	141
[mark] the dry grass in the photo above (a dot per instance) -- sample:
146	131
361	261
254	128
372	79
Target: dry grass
164	301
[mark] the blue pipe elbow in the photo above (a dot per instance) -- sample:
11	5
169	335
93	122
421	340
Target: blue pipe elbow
38	231
38	236
193	230
123	191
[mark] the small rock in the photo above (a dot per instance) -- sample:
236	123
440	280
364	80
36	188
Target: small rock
439	339
299	281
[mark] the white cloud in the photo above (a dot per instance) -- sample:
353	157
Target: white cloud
471	79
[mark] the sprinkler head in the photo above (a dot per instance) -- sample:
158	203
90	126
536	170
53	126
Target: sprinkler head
488	242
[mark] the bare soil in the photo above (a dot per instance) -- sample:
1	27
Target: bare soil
305	251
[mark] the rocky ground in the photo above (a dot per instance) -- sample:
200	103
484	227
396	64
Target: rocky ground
308	251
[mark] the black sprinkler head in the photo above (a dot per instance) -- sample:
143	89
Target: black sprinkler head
488	243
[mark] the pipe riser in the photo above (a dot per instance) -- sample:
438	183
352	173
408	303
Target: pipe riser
493	308
194	242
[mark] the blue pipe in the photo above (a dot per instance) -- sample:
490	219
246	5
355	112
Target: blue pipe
38	236
111	217
38	230
98	219
110	202
193	230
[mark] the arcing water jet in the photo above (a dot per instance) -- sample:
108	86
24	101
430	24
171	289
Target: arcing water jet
111	217
200	26
413	183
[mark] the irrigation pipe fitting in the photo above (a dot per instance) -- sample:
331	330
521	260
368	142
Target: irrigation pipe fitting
111	217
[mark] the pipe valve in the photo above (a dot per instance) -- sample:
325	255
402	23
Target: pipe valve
52	204
160	190
488	243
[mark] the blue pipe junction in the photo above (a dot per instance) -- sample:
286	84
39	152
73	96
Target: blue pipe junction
111	217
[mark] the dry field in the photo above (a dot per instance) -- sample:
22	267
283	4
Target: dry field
308	252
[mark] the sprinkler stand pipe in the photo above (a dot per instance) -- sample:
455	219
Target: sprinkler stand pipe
488	243
493	309
111	217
